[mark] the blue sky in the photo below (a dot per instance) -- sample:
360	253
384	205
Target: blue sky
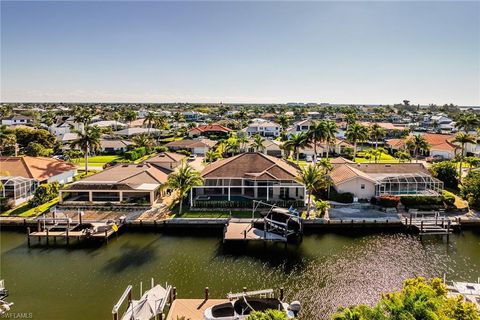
258	52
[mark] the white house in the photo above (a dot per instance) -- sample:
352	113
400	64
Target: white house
16	120
367	180
263	128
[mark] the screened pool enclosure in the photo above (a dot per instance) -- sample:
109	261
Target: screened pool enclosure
19	189
410	184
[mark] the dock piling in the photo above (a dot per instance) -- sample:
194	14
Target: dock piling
206	293
281	293
28	236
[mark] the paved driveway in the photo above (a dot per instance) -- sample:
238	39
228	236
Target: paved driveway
197	164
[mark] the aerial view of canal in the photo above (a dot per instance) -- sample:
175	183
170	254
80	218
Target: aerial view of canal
324	272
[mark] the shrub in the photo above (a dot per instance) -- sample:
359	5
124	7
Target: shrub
160	149
388	201
446	172
422	202
184	152
448	198
345	197
35	149
471	189
135	154
269	314
44	193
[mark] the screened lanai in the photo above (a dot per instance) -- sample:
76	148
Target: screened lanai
409	184
18	188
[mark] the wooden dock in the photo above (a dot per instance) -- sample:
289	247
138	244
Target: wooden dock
65	228
430	223
191	309
244	231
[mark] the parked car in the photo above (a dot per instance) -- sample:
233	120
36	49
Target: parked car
192	157
309	159
435	158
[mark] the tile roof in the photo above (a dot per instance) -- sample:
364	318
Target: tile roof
192	143
108	143
340	160
123	176
40	168
166	157
210	128
252	165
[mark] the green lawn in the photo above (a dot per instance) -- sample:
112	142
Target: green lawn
25	210
384	158
96	161
187	213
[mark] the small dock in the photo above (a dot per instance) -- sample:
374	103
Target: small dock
244	231
430	223
61	227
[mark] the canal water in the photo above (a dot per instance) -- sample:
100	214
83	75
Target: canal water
324	272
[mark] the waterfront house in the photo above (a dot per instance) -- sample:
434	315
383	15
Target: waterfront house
209	130
249	176
199	147
300	126
20	176
64	125
120	184
367	180
263	128
166	160
129	132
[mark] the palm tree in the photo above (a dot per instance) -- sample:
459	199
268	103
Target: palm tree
257	143
377	133
417	143
130	115
88	140
183	180
467	122
232	145
211	156
283	120
296	142
403	156
7	138
243	140
149	120
330	134
143	140
463	139
356	133
160	122
325	165
316	134
313	179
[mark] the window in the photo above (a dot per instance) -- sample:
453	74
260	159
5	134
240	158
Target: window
362	186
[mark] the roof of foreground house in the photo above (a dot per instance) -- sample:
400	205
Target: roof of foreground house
251	165
39	168
166	157
124	176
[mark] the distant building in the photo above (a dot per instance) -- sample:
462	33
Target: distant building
264	128
200	147
16	120
209	130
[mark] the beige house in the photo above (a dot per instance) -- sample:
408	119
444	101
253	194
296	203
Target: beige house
121	184
166	160
367	180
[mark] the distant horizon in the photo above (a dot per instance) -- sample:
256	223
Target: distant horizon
238	103
241	52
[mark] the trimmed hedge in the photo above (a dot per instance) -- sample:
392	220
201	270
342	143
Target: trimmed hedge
345	197
413	201
388	201
448	198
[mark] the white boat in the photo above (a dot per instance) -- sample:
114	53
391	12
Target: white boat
4	305
243	304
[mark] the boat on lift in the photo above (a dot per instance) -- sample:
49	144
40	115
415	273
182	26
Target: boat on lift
241	305
4	305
